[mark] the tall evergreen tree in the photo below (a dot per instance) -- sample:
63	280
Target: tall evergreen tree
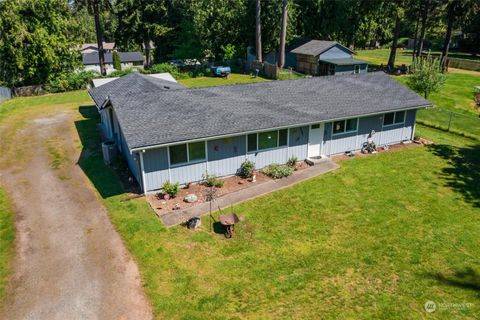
38	41
283	34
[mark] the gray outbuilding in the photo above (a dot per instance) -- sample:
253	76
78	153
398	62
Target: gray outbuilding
171	133
321	58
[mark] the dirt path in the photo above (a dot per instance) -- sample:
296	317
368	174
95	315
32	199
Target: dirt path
70	262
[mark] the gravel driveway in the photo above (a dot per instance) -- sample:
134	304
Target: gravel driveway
70	262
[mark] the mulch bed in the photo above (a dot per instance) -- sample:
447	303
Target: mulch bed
231	184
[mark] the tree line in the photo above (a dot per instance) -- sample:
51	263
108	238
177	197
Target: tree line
38	38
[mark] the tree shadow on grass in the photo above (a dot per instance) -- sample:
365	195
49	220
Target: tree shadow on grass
463	175
466	279
103	177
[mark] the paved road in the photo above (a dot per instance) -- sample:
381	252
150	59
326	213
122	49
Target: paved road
70	262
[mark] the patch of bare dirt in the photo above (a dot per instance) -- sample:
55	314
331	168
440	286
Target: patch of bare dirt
70	263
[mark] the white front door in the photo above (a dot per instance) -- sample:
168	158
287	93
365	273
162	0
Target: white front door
315	140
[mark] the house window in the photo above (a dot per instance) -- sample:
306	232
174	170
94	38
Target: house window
267	140
331	69
282	137
344	126
357	68
393	118
188	152
252	142
196	151
315	126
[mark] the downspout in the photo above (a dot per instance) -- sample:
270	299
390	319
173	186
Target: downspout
142	167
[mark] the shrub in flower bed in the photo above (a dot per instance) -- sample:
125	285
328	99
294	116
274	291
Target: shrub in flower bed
292	162
170	188
211	180
247	168
277	171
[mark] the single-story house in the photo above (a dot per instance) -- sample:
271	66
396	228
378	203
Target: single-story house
127	59
170	133
321	58
93	47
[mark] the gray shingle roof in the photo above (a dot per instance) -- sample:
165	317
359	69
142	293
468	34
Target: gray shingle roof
92	57
133	84
344	61
316	47
166	116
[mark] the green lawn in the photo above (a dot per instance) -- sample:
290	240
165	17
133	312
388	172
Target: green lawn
7	235
380	56
233	78
457	95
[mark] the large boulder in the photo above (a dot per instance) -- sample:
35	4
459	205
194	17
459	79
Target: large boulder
190	198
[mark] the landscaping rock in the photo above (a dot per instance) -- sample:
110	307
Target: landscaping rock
190	198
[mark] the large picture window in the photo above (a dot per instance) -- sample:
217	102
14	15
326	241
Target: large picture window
188	152
393	118
267	140
344	126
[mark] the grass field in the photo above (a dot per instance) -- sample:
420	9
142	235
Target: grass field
457	96
233	78
378	57
7	235
375	239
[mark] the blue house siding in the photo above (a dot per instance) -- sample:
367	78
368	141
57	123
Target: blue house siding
349	69
336	52
298	142
225	155
155	164
188	172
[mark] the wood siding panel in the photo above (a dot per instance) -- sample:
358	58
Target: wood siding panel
226	155
155	163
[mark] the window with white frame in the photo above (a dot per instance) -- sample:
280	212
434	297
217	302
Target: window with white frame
267	140
357	68
394	118
188	152
344	126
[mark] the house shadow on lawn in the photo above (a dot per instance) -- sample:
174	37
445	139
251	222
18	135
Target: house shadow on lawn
107	180
463	175
466	279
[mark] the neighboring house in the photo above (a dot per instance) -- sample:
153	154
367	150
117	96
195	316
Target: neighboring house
93	47
101	81
321	58
127	59
170	133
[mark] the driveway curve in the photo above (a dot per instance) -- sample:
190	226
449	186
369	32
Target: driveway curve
70	262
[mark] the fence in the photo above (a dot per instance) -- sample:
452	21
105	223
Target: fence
455	122
5	93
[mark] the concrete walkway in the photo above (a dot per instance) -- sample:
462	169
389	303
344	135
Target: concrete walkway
176	217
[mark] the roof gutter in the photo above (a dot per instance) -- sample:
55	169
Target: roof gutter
107	100
156	146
